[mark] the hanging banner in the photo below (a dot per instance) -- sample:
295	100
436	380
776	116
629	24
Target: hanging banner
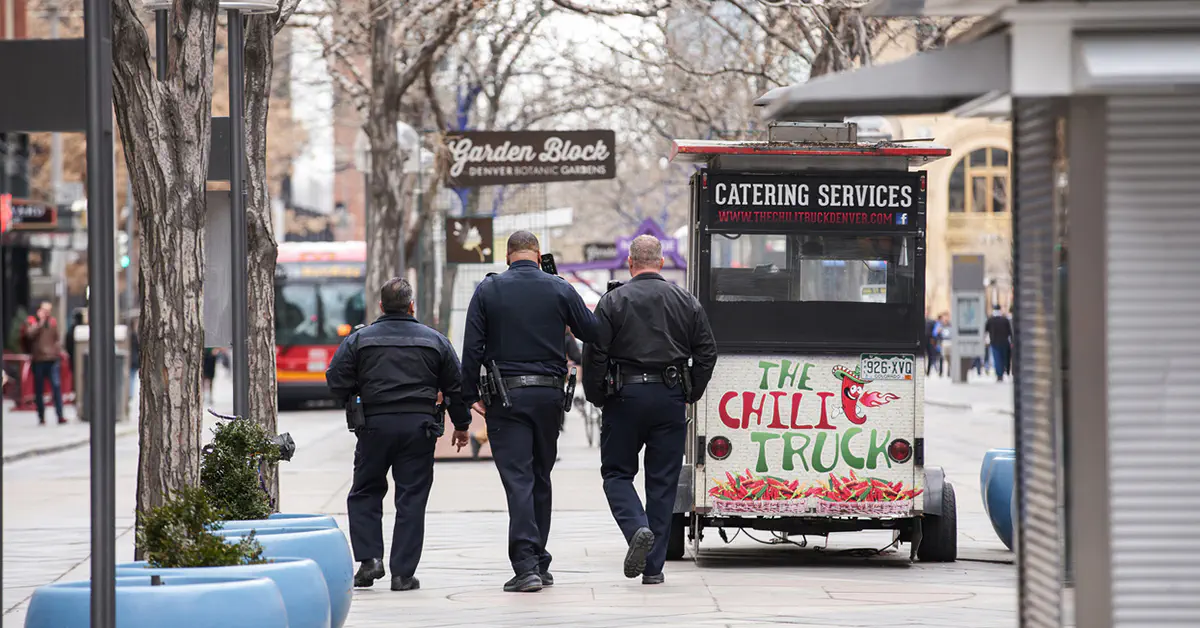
479	158
469	240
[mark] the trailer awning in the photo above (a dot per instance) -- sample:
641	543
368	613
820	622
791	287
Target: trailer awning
929	82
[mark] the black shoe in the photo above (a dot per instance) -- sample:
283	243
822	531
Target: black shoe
370	571
528	582
547	579
657	578
639	546
400	583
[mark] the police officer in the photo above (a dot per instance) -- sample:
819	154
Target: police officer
398	367
514	329
638	372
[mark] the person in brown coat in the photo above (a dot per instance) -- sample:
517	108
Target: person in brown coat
45	349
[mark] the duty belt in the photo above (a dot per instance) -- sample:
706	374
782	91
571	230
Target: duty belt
644	378
525	381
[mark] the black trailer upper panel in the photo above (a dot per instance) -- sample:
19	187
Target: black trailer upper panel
819	201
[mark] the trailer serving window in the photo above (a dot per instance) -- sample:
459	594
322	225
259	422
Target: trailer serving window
813	260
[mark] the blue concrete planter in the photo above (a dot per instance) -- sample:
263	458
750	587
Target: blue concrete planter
299	580
984	468
998	496
281	520
325	546
180	602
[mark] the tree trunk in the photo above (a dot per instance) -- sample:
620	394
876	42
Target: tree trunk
260	236
165	128
386	186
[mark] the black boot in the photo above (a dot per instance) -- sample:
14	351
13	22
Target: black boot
400	583
528	582
370	571
639	547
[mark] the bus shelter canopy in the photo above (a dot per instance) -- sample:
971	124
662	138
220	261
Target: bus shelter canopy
929	82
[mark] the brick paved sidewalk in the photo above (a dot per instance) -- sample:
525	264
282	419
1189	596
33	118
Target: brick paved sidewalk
979	394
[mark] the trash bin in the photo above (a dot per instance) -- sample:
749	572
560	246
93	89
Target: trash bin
81	389
82	350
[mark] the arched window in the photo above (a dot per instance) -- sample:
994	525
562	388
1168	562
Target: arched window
979	182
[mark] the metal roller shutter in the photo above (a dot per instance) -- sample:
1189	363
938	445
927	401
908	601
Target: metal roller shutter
1153	310
1034	238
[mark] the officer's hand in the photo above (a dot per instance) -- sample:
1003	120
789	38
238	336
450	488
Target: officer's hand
480	408
460	439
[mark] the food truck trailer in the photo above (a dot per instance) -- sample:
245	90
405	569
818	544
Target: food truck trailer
808	256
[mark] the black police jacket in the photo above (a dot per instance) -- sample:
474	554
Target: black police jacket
396	365
518	319
646	325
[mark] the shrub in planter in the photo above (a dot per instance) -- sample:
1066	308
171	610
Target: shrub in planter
179	534
233	466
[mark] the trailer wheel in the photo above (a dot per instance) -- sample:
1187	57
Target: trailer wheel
939	533
678	531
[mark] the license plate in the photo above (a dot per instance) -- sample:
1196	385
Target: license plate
886	366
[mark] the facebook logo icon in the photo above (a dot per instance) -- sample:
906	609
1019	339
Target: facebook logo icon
902	219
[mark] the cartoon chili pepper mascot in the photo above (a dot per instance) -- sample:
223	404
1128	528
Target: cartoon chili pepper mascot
852	394
852	389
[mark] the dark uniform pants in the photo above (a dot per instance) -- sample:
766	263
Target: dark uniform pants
651	416
398	442
524	441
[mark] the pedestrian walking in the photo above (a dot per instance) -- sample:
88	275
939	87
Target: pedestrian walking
515	330
394	371
933	344
999	332
649	331
45	352
209	372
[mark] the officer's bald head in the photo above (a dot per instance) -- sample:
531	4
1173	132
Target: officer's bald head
645	255
523	245
396	296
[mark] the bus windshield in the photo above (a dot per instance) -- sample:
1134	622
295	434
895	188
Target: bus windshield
317	313
813	268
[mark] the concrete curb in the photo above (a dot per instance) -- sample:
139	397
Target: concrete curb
968	407
60	447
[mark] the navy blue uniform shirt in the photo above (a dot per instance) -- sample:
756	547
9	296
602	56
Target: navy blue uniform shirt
398	365
518	319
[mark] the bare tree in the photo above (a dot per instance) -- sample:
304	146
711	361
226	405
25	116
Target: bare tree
403	40
165	128
488	58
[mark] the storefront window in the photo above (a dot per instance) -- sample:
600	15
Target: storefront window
979	182
812	268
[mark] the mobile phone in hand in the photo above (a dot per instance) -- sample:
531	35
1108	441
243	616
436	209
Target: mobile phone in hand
548	264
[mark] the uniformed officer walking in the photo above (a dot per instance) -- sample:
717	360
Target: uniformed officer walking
398	367
638	371
514	330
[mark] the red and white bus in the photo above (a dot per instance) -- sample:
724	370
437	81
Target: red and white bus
319	298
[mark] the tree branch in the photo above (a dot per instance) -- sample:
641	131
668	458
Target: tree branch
657	7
